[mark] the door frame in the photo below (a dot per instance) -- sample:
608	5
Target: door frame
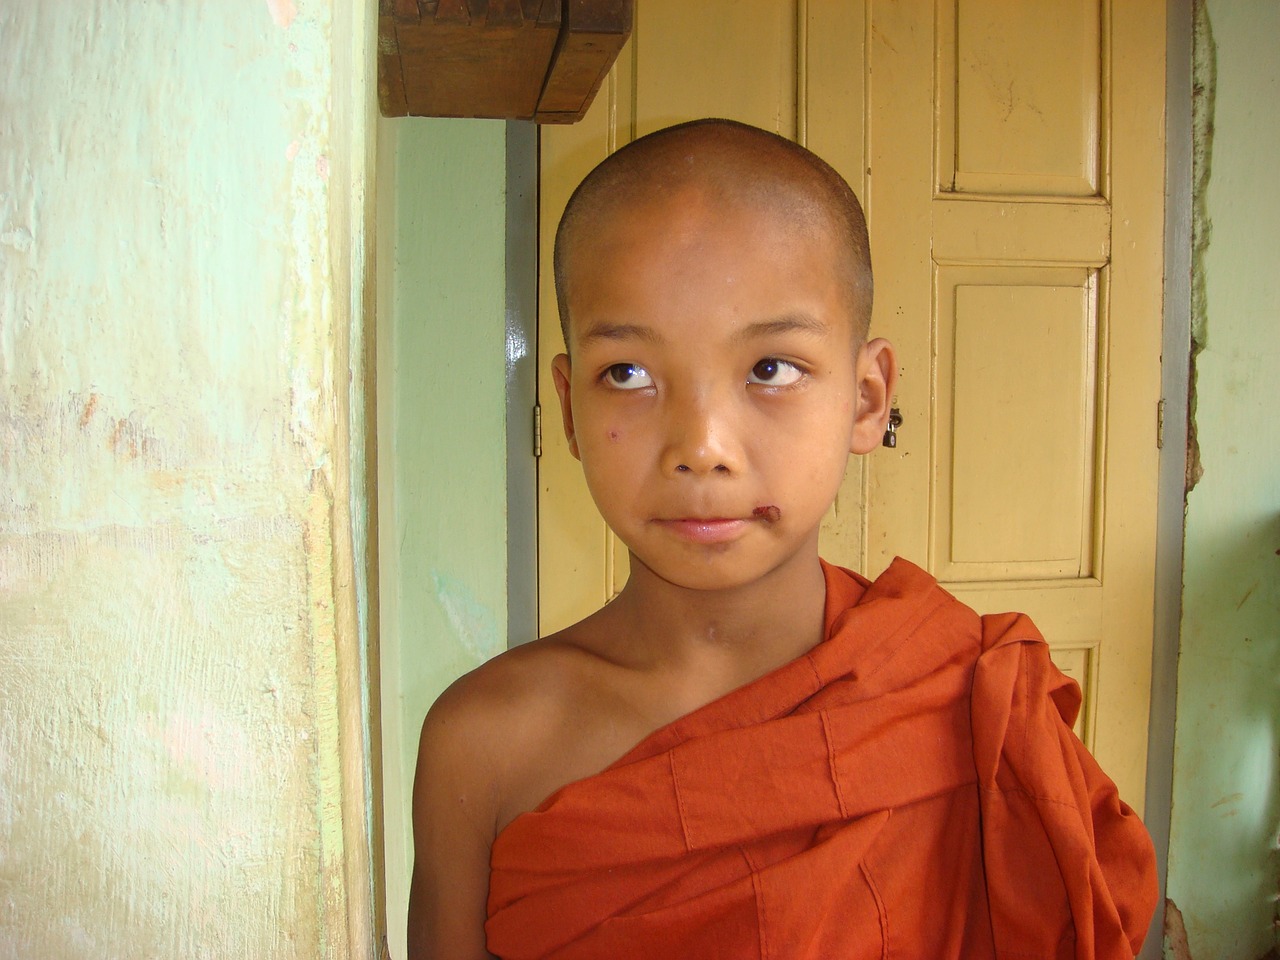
1175	382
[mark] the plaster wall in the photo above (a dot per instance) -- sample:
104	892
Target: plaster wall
1223	862
442	366
181	197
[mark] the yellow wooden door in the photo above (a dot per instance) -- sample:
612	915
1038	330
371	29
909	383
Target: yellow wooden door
1010	158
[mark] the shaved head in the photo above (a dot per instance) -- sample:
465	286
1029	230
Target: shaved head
734	164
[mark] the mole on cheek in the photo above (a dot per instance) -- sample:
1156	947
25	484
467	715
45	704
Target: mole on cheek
613	436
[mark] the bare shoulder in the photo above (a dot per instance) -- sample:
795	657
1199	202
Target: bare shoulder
486	728
496	743
530	721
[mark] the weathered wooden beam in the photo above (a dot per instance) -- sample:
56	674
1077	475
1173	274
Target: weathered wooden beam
512	59
591	35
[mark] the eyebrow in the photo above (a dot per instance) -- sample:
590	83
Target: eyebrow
619	331
788	323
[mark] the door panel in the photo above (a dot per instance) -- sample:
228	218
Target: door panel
1015	432
1009	156
1019	97
684	53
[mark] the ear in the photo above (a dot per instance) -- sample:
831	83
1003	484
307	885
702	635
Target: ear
560	374
877	371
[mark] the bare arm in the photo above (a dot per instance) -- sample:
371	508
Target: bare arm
453	830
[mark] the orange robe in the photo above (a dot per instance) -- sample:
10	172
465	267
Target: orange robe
909	788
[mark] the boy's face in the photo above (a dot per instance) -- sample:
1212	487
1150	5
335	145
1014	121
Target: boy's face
714	373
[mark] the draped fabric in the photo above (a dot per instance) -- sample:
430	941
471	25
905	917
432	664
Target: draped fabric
911	787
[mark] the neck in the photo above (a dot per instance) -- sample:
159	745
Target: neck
749	629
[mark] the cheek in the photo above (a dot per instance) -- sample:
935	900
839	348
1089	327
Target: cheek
609	448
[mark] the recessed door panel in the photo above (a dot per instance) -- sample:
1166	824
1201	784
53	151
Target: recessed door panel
1020	97
1016	367
689	60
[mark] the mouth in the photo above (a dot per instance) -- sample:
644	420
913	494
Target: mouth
705	529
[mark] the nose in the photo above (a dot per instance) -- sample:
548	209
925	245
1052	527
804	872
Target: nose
702	436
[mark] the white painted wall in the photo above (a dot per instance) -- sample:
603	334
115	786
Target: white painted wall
181	241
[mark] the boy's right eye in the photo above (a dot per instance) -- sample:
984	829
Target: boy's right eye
627	376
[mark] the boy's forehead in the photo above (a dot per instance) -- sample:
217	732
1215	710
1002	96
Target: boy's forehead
687	251
688	184
682	219
695	218
744	181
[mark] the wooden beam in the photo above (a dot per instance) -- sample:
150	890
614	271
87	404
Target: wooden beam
505	59
592	34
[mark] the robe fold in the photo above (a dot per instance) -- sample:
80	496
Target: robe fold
911	787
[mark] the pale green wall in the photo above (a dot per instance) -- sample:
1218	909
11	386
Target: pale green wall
181	227
442	452
1223	863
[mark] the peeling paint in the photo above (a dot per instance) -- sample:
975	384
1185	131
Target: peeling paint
1175	934
20	239
1204	86
1204	80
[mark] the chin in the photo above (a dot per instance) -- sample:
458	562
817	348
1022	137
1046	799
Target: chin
712	569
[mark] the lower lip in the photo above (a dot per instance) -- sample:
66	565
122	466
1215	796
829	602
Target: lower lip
706	531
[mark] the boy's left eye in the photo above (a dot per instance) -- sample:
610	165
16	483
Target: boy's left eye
775	373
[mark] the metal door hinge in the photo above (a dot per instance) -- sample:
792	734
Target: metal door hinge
1160	425
537	430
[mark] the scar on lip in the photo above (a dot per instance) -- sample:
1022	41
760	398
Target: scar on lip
770	513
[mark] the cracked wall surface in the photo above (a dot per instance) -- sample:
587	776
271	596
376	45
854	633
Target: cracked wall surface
1226	793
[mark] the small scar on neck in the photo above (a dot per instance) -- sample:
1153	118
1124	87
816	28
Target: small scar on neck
769	513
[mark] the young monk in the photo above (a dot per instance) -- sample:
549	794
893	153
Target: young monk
750	753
